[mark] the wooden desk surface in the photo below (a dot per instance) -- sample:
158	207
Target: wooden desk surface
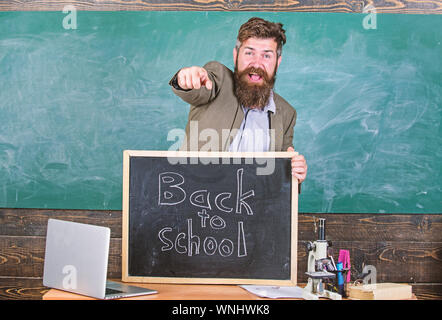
172	292
180	292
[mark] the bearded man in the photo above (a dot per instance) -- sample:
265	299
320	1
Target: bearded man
241	106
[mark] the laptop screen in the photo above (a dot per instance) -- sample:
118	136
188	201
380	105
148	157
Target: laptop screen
76	257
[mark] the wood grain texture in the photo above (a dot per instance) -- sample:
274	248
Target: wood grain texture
33	289
428	291
33	222
21	289
403	248
373	227
24	257
344	227
413	262
350	6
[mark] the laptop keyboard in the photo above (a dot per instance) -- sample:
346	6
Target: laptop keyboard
112	291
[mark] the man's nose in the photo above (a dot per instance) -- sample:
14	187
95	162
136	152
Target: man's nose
257	62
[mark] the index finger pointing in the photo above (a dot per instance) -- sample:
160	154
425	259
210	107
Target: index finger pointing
208	84
204	77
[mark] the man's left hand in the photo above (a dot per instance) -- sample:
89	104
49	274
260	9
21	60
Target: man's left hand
299	166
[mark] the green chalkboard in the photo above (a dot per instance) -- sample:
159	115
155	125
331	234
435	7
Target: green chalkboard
369	103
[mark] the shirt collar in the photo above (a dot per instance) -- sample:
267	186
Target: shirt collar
271	104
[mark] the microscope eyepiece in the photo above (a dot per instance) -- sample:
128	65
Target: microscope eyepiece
321	229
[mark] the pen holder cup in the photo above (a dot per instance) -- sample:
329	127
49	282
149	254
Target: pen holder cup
341	289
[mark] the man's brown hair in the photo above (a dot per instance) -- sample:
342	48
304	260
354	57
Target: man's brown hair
262	29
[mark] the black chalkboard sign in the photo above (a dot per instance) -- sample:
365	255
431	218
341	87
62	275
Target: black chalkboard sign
212	217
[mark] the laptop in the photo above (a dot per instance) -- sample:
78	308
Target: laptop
76	260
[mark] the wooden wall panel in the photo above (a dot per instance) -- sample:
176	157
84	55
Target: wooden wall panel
403	248
33	222
21	289
395	261
340	226
350	6
374	227
23	257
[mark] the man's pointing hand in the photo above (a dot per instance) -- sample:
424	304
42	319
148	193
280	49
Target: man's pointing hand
193	78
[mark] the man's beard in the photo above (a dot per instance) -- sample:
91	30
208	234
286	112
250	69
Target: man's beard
249	94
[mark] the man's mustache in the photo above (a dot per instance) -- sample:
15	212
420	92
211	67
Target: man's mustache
260	72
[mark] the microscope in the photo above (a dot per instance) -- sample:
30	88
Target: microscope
318	266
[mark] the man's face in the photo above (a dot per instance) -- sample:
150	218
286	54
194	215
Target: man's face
257	54
256	63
